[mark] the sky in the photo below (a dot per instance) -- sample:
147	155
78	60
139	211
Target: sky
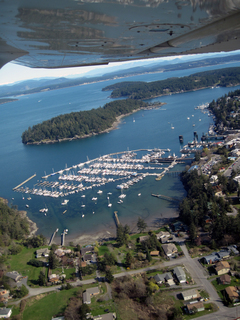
13	72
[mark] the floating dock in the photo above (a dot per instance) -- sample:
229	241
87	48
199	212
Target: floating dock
24	182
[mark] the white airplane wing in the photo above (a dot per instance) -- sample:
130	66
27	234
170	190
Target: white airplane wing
65	33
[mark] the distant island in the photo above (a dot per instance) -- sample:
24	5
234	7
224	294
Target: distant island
83	124
147	90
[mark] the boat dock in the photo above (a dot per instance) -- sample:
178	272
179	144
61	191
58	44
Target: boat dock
116	218
165	197
24	181
52	237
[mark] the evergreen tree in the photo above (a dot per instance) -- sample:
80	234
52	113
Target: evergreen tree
41	278
109	276
141	225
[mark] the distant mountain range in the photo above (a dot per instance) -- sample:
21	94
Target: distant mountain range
34	86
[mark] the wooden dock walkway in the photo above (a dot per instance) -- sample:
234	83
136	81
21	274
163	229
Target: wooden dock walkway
116	218
165	197
24	181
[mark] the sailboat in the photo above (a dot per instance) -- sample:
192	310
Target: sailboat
172	127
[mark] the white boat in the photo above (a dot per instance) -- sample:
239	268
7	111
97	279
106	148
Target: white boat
188	118
94	198
99	191
83	196
172	127
139	194
65	201
83	216
193	125
27	206
83	205
109	204
109	193
29	198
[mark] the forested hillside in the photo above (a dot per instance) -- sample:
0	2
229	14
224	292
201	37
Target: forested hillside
79	124
146	90
12	225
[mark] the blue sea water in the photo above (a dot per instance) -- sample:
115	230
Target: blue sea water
152	128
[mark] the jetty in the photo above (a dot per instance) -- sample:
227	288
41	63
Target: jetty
24	181
165	197
116	218
52	237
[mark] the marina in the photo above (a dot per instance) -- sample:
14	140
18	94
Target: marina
127	167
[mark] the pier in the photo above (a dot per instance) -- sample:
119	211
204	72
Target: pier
165	197
24	181
52	237
116	218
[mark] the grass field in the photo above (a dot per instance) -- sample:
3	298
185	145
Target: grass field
19	262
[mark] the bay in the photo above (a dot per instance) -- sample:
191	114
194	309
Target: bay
152	128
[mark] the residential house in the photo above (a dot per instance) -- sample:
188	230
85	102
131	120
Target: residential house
143	238
232	293
87	257
88	249
163	236
223	254
61	252
197	306
14	275
179	274
222	267
232	249
53	278
107	316
42	253
166	278
5	312
169	249
190	294
224	279
211	258
154	253
89	293
4	295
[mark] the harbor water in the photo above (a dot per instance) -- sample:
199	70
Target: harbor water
156	128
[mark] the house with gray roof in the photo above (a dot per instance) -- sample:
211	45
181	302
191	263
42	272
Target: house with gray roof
211	258
169	249
89	293
179	274
190	294
166	278
14	275
5	312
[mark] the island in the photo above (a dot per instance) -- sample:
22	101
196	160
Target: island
83	124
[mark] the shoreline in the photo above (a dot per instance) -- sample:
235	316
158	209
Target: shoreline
114	126
32	225
107	233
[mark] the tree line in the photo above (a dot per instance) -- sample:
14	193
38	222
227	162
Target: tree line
201	204
145	90
79	124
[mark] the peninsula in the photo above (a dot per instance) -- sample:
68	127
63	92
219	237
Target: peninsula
146	90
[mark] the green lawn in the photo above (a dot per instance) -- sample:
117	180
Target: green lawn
49	305
103	249
19	263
